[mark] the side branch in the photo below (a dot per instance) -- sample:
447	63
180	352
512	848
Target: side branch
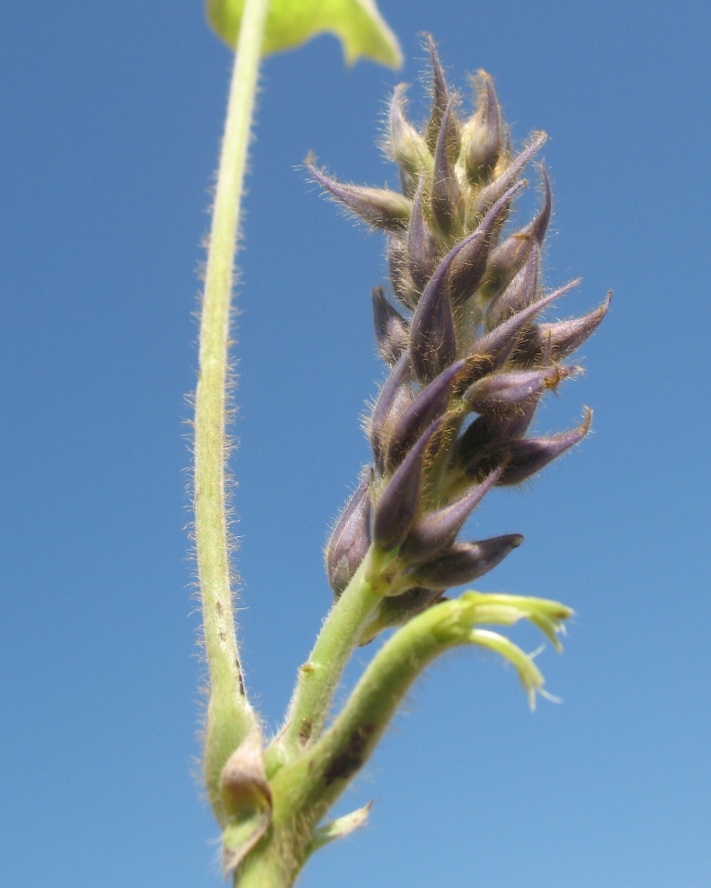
315	781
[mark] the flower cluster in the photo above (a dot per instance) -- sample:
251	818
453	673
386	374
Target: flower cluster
469	356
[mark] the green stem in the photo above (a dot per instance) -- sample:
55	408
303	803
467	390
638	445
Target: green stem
229	715
320	676
314	782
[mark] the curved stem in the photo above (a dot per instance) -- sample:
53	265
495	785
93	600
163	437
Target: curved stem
229	715
314	781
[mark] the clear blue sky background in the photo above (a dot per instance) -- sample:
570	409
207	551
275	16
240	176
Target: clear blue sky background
111	116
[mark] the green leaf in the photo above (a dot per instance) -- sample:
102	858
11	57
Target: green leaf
358	24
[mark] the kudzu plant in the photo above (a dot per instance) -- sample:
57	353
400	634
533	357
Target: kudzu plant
469	360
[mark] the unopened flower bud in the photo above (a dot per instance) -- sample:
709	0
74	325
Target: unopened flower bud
407	146
379	207
527	456
538	226
483	136
504	393
350	539
465	562
440	100
491	193
436	531
469	266
520	293
500	342
421	247
391	329
396	508
446	198
427	406
563	337
433	340
396	394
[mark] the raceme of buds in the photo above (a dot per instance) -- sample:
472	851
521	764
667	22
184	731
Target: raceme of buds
468	352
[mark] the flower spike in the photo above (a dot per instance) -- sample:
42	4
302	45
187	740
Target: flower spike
470	357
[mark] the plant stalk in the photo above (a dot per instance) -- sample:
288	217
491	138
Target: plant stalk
229	715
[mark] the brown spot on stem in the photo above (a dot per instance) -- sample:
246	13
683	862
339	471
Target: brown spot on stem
351	759
305	730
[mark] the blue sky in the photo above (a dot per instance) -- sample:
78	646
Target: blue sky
111	120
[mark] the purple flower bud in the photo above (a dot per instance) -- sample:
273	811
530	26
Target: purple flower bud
440	100
538	226
508	257
446	197
501	341
407	146
436	531
489	195
505	393
563	337
506	260
482	447
396	394
350	539
379	207
421	247
465	562
469	266
427	406
399	272
433	342
527	456
396	508
520	293
391	329
486	139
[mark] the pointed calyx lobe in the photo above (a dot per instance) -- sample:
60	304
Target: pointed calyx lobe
469	349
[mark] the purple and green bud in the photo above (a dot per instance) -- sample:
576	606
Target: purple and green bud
379	207
446	199
406	145
350	538
430	404
527	456
562	338
421	245
483	136
436	531
500	342
508	392
488	195
395	396
440	100
397	506
468	266
391	329
433	338
465	562
520	293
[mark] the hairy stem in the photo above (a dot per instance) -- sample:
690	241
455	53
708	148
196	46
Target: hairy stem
229	715
320	675
317	779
